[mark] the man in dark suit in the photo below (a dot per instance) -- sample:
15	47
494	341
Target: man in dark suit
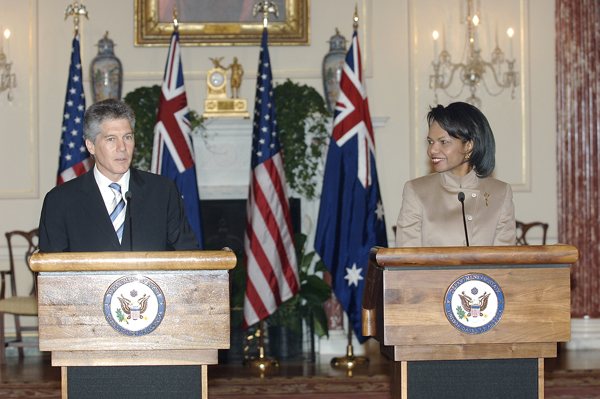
76	214
88	214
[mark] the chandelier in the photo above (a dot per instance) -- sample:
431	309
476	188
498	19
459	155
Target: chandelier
8	80
473	70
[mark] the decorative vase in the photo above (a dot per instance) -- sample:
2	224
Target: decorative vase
332	69
106	72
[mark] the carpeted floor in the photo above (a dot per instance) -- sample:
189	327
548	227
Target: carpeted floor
559	385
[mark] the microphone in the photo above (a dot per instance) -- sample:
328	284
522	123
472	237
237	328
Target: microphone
128	199
461	198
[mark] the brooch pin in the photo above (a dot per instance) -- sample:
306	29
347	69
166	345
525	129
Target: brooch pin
486	195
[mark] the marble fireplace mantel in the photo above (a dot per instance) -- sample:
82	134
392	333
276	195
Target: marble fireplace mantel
223	157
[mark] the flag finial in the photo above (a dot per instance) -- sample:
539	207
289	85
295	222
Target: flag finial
175	18
76	10
266	7
355	24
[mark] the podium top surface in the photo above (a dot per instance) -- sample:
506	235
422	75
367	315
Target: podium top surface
125	261
474	256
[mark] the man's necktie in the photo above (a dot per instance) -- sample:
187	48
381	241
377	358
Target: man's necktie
117	215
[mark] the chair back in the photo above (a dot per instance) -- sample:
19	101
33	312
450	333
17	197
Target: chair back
32	239
523	228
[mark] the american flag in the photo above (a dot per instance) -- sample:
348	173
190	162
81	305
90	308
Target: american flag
351	218
269	247
172	152
74	158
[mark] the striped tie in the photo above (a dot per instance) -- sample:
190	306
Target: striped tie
117	215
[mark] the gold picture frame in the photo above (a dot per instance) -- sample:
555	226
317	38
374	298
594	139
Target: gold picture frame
154	28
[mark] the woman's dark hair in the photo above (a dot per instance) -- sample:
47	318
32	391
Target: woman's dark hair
465	122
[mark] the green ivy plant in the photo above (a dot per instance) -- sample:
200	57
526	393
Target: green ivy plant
301	111
144	103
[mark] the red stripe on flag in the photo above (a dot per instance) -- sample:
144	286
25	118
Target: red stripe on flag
275	176
261	204
356	116
264	264
80	168
358	60
166	114
273	229
174	46
77	169
275	261
256	302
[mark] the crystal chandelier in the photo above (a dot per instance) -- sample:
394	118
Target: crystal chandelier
8	80
472	72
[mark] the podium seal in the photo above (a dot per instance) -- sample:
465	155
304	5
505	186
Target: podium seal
474	303
134	305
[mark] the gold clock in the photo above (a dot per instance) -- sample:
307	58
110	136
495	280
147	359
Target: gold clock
217	104
216	81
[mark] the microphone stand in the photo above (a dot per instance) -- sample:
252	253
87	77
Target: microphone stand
461	198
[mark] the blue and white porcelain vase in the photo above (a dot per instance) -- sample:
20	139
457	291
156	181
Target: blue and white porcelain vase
332	69
106	72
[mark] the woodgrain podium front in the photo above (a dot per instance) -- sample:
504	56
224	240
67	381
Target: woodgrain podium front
429	308
134	309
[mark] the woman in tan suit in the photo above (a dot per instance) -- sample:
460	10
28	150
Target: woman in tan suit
462	149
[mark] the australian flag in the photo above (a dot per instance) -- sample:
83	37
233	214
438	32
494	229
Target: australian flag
351	218
74	158
173	152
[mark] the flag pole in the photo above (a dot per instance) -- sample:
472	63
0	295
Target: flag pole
74	158
350	361
262	363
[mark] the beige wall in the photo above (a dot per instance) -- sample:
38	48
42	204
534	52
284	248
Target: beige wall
41	44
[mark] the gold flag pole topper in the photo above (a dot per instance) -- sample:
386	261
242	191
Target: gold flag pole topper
175	18
350	361
266	7
76	10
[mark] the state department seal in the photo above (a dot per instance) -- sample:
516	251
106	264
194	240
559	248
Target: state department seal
134	305
474	303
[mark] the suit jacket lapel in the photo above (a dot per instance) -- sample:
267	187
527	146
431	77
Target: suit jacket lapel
98	215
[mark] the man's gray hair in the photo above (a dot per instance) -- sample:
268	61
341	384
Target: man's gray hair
103	111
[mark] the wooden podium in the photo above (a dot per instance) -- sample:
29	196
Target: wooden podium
417	302
134	308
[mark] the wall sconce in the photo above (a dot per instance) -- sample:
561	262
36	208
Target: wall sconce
8	80
472	71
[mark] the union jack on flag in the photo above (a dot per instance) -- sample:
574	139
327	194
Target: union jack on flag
74	157
351	218
173	152
269	252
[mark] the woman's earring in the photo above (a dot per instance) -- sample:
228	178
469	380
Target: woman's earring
467	156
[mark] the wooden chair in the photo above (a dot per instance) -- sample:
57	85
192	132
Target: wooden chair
18	305
523	228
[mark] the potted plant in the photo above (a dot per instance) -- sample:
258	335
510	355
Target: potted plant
285	324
